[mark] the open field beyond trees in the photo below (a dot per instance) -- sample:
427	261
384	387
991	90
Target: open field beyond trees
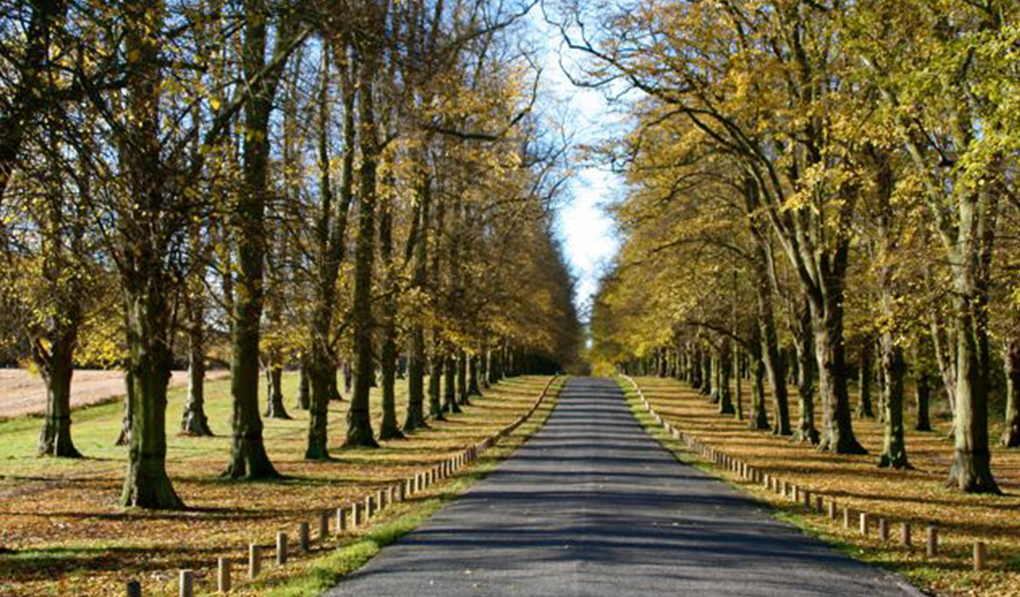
64	532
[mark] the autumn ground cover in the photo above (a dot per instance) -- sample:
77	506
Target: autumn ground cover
917	495
62	531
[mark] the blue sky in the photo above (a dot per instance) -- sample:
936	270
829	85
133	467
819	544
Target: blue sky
587	231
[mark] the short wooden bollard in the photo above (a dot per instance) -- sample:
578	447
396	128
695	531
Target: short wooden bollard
401	492
883	529
382	499
905	540
795	494
254	560
323	525
134	588
847	514
223	575
807	500
187	583
369	508
391	494
341	520
932	543
819	504
281	548
979	556
864	523
304	538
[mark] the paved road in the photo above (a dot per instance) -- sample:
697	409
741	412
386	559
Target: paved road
592	506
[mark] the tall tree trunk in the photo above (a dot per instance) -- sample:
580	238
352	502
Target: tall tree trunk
923	402
739	398
124	437
388	428
806	431
248	458
864	375
274	391
725	370
57	368
474	389
143	269
770	353
706	373
359	420
194	422
304	390
462	381
1011	362
435	378
450	384
415	418
894	447
759	419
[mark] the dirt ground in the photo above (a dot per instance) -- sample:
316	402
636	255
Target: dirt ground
22	392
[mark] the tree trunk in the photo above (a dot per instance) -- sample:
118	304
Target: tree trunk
146	484
837	427
450	385
248	457
124	438
389	429
57	369
725	370
706	373
864	409
806	431
759	419
923	402
739	398
304	391
770	353
415	418
1011	362
274	391
144	274
894	448
473	365
462	381
435	377
359	420
194	421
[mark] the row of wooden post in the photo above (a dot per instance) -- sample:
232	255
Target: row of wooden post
802	496
359	513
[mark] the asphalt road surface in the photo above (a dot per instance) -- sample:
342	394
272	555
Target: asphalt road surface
593	506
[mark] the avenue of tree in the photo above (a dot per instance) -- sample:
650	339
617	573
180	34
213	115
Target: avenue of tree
271	184
819	188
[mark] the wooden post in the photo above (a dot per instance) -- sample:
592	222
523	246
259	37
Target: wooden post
380	498
304	540
402	492
864	523
883	529
323	525
341	520
979	556
254	560
281	548
369	507
223	575
807	499
846	516
134	588
391	494
932	543
819	504
905	536
795	494
356	515
187	583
